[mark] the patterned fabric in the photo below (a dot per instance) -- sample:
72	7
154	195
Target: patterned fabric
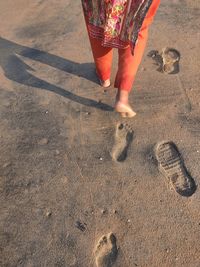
116	22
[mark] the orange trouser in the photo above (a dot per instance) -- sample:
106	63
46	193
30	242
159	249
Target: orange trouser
127	63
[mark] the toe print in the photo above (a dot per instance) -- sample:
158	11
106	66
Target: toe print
106	251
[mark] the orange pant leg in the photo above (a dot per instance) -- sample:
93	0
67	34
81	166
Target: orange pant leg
102	58
127	63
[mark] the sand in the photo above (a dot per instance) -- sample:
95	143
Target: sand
62	188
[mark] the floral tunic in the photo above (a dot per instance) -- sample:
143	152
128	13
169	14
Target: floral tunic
116	22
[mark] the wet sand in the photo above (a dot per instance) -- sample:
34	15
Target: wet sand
66	177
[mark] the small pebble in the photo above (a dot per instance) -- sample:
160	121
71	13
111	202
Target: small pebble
115	211
103	211
88	113
100	158
48	214
47	112
197	151
43	141
6	165
105	91
57	152
128	220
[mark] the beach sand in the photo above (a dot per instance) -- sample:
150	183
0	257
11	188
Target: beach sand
66	177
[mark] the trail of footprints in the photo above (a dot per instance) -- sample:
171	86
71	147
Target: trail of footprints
170	164
169	160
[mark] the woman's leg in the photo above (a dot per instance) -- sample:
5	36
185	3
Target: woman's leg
128	64
127	69
102	58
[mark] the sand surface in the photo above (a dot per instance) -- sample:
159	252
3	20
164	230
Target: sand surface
60	189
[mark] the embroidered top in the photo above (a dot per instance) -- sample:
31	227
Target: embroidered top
116	22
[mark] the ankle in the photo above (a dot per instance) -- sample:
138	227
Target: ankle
122	96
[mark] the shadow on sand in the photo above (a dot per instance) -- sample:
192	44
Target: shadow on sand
16	70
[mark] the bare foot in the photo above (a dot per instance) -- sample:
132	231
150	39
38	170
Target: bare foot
105	84
124	109
106	251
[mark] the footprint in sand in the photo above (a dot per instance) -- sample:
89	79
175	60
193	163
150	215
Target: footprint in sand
123	139
106	251
171	165
167	60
